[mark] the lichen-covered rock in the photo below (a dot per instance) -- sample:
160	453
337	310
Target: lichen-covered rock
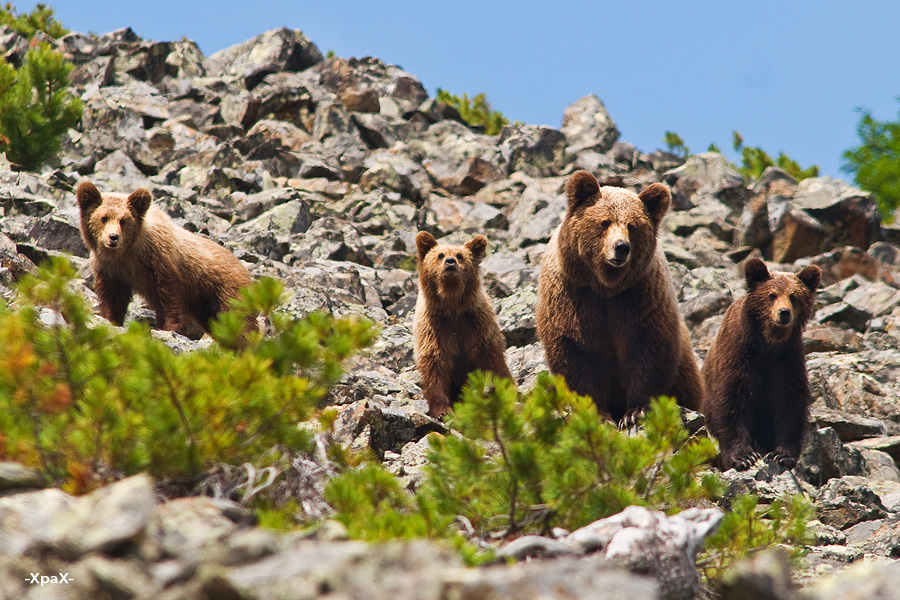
587	126
276	50
864	581
842	503
536	151
763	575
643	541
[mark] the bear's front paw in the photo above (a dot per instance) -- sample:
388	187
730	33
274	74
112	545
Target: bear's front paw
747	460
632	418
438	407
783	458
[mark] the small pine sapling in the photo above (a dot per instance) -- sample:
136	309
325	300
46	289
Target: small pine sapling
36	107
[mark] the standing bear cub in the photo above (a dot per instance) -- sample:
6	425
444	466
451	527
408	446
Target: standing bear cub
455	330
757	392
135	248
607	315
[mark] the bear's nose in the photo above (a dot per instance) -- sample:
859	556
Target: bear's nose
621	248
449	261
784	315
114	237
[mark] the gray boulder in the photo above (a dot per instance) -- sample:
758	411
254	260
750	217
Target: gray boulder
275	50
849	215
588	127
644	541
536	151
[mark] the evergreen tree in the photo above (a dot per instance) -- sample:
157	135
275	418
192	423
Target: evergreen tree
755	160
36	108
675	144
527	464
875	163
475	111
86	404
39	19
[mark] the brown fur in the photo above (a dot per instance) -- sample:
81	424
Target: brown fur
455	329
607	314
135	248
757	392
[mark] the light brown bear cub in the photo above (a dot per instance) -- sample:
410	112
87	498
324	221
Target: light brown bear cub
607	315
135	248
455	330
757	392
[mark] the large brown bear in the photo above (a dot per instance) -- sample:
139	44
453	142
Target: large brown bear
455	330
607	314
135	248
757	393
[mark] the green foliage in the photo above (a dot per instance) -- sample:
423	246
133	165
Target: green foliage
39	19
755	160
552	460
86	405
36	107
748	526
526	467
875	163
675	144
279	518
475	111
523	465
373	506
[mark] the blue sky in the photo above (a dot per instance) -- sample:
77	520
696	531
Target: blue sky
787	75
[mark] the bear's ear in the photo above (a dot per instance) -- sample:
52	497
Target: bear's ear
424	243
139	202
581	187
477	245
810	276
88	196
755	273
656	198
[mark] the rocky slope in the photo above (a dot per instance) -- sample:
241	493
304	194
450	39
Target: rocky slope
320	172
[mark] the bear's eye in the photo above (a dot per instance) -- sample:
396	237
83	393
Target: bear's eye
631	227
772	297
605	224
121	221
459	257
441	256
793	299
104	219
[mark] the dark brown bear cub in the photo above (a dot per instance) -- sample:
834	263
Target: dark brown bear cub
607	315
757	392
455	329
135	248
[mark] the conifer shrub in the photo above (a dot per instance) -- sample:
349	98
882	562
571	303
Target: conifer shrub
86	404
36	107
475	111
676	144
755	160
552	461
39	19
749	526
875	162
527	464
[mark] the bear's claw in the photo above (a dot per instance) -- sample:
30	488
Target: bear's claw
782	458
747	461
632	418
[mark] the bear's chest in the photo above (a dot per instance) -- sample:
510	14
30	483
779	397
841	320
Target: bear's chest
600	317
